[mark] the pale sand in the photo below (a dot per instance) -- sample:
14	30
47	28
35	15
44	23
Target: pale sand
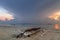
6	34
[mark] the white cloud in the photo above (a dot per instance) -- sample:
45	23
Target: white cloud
5	15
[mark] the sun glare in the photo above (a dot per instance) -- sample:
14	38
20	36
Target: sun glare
55	16
56	26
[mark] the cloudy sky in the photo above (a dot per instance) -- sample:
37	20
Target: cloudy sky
28	11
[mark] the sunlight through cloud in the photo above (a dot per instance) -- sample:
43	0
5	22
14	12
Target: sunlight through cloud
55	16
5	15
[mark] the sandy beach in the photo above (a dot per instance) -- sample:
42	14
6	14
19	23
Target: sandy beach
6	33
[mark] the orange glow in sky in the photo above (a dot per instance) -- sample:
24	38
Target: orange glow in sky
5	15
55	16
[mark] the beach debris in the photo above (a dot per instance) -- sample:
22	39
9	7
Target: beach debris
29	32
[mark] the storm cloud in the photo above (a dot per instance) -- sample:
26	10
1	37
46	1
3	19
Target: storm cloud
33	11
